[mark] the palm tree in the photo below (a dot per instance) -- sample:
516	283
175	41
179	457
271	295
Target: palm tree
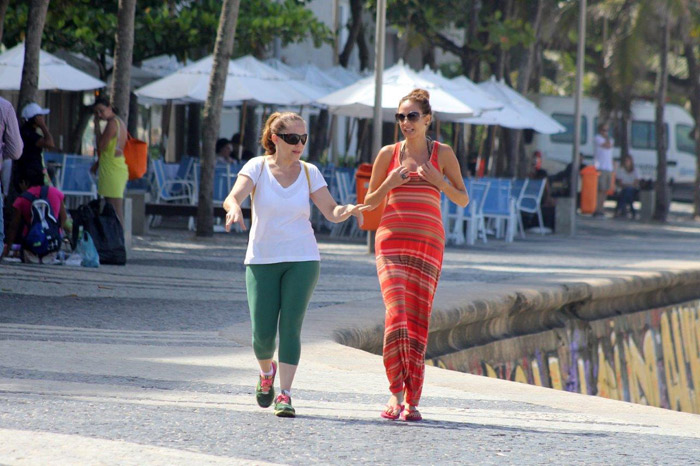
661	205
124	39
29	85
223	48
3	11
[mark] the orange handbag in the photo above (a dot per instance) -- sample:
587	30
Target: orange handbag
136	157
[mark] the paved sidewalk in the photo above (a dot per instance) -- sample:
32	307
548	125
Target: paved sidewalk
151	363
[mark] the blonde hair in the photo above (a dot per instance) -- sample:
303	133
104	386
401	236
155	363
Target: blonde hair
421	97
278	121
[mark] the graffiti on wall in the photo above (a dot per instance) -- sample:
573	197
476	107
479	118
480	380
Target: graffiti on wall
650	357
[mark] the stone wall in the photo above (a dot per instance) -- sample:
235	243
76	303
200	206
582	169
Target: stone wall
650	357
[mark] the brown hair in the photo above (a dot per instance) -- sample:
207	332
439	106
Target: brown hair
421	97
278	121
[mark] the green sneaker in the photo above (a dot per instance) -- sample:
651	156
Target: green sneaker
283	406
265	390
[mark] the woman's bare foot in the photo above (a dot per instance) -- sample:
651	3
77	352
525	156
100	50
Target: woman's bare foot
394	406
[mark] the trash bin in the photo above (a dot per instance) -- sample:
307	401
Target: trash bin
589	189
372	217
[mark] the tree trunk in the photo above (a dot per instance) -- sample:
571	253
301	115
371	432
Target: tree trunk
355	29
194	129
123	53
250	136
132	124
661	207
76	136
527	60
3	11
363	49
29	85
319	136
212	113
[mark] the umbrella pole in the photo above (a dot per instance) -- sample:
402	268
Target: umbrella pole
437	129
491	154
348	134
480	158
396	132
243	118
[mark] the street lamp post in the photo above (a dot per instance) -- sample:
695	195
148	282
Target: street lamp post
575	160
379	44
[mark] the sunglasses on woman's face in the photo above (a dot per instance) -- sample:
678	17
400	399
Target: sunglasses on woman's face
412	117
293	139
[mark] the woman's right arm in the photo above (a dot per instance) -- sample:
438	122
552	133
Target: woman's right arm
380	183
232	204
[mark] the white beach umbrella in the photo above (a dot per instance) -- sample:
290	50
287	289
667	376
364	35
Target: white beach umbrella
297	79
54	73
248	80
465	90
357	100
344	75
517	113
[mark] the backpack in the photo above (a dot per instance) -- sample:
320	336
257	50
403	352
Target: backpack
44	234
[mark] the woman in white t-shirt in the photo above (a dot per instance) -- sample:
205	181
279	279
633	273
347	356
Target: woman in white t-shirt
282	260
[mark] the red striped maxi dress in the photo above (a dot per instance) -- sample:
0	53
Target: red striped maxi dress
409	247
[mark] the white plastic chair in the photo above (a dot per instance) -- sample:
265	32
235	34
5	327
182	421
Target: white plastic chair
455	217
531	199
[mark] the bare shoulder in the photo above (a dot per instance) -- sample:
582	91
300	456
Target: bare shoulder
385	152
445	154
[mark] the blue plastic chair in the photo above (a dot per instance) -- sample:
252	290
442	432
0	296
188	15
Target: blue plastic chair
76	179
499	208
455	217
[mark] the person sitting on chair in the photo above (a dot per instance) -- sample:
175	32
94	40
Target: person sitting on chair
627	180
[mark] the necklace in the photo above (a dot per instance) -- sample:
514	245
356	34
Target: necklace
402	151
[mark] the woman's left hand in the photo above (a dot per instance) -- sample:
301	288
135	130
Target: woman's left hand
432	175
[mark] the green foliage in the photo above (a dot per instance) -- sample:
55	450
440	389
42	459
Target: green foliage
186	29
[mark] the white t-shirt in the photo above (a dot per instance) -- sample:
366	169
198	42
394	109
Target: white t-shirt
603	155
626	178
281	230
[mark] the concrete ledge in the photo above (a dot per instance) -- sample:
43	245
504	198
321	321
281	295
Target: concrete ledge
462	320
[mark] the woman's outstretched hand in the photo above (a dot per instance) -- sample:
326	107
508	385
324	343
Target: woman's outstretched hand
235	215
356	211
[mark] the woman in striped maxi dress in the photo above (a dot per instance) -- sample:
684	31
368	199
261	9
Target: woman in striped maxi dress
409	245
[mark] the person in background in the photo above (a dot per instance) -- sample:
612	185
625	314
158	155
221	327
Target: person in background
410	243
224	151
282	261
112	172
22	217
603	159
627	180
11	147
245	153
36	137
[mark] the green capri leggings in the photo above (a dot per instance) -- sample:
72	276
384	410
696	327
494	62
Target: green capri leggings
278	294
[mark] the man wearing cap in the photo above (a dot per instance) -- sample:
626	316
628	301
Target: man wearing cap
32	162
10	148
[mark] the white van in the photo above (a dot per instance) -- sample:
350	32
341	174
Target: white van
557	149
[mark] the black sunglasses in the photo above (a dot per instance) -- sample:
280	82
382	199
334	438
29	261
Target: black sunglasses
293	139
412	117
